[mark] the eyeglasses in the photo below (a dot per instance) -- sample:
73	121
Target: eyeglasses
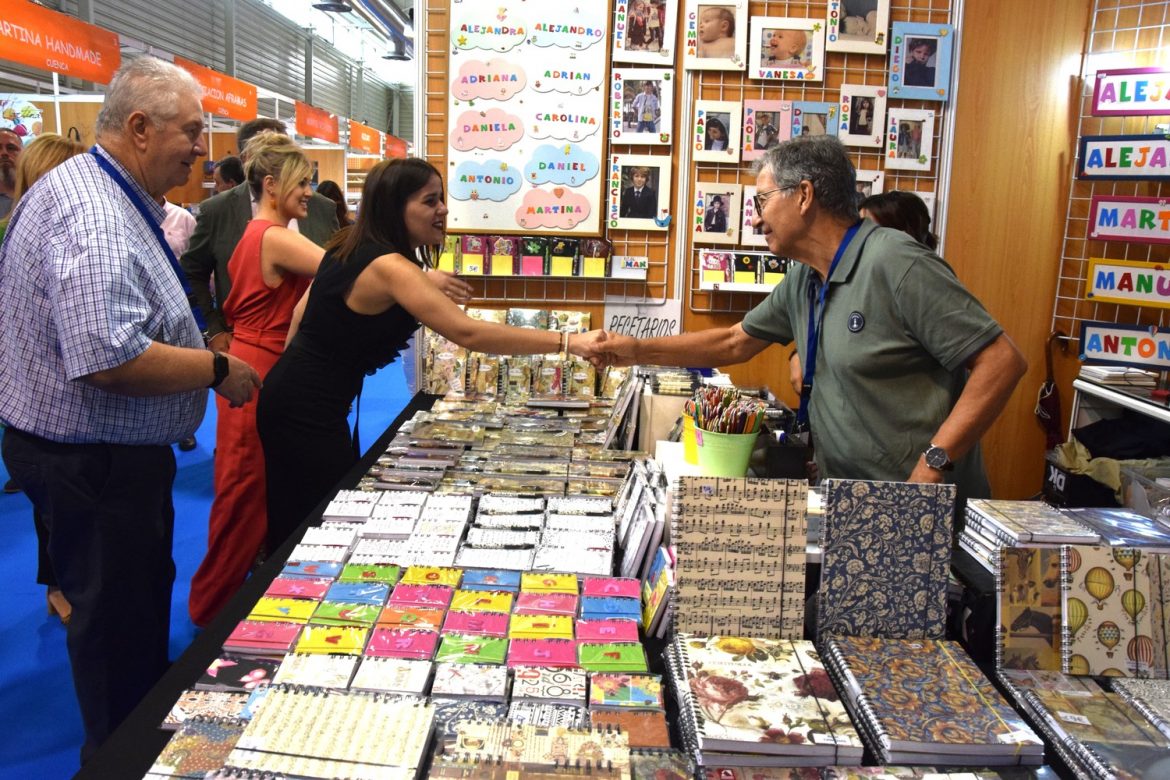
760	198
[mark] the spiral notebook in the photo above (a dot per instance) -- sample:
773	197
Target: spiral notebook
1149	697
199	746
1104	598
886	553
1028	603
901	692
1025	522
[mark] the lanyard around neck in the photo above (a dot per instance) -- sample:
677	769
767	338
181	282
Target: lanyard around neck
136	198
816	318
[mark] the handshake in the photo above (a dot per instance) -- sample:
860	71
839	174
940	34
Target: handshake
604	348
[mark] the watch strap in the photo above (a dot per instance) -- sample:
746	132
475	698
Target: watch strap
220	365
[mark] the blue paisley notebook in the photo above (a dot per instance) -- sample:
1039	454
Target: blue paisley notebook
886	554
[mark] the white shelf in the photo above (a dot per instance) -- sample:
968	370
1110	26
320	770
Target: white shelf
1092	402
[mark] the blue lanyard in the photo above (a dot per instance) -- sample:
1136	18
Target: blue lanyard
816	318
136	198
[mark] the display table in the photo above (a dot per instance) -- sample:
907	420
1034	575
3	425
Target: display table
132	749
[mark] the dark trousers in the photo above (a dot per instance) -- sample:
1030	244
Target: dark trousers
110	522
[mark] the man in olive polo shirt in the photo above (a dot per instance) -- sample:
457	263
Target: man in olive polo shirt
904	369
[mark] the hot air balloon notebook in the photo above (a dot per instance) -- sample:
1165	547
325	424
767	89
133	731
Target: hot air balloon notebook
1028	599
1105	596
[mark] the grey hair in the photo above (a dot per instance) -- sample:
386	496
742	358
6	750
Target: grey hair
823	161
145	84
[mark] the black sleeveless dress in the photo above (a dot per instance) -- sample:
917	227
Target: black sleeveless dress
302	409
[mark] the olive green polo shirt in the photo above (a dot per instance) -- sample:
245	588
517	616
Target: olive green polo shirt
898	329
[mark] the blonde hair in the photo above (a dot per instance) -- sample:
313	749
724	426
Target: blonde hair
275	155
42	155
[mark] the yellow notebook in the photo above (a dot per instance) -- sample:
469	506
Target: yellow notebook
284	610
593	266
540	627
502	265
432	575
336	640
548	582
561	266
481	601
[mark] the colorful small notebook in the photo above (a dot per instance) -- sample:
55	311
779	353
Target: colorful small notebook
559	686
470	681
491	579
402	643
339	640
411	617
359	592
205	704
611	656
625	587
282	610
609	630
433	596
318	670
540	627
392	675
313	570
297	588
481	601
334	613
601	607
237	673
532	603
644	728
542	652
615	690
485	623
198	747
372	572
252	637
432	575
469	649
548	582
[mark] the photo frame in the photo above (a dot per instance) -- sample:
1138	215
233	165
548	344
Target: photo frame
862	118
631	209
712	119
748	235
857	26
716	268
715	35
931	201
786	49
813	118
909	139
639	117
869	182
766	123
920	60
645	41
715	218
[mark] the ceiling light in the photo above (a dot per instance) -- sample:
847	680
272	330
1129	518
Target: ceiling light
397	51
336	7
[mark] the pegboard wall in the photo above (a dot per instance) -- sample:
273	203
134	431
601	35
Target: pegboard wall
674	255
1122	34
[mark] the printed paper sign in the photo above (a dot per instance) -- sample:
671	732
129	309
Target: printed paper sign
644	320
1125	345
1122	218
1128	281
222	94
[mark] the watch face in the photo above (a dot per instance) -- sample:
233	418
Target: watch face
936	458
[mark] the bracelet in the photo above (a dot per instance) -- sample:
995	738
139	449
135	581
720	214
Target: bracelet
564	343
219	363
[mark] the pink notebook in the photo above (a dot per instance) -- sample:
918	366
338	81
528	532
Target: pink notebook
612	586
614	630
481	623
546	604
402	643
421	595
542	652
253	637
298	588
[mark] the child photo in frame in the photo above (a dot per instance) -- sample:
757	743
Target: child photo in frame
715	35
787	49
863	114
857	25
716	215
644	31
716	133
869	183
765	124
920	60
639	188
909	136
813	118
642	106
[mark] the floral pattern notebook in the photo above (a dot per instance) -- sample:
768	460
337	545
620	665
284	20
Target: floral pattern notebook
886	559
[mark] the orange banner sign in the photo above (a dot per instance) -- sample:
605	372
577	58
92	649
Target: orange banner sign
364	138
222	94
40	38
395	147
317	123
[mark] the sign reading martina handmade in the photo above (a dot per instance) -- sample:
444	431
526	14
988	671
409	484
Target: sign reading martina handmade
1127	218
1124	157
1140	346
527	120
1129	282
317	123
1131	92
48	40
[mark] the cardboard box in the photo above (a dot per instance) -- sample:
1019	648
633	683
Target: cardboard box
1064	488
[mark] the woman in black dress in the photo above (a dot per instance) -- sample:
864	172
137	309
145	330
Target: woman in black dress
366	301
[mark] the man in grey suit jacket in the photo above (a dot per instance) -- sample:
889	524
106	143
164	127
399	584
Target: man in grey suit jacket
219	227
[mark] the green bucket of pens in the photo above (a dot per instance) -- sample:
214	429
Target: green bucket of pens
726	428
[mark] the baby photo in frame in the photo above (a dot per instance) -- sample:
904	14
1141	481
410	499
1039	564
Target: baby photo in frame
909	139
715	217
857	25
765	124
639	192
920	60
869	183
813	118
863	115
715	35
642	110
785	49
715	131
749	234
644	31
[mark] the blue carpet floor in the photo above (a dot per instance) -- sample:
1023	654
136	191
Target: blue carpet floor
43	733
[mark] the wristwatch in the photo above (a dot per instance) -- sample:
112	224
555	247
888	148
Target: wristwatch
937	458
219	364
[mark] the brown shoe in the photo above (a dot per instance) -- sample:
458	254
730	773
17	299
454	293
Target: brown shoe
59	605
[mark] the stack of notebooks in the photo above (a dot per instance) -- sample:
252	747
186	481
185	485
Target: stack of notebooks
1098	734
755	702
518	749
632	703
1119	375
991	524
926	702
